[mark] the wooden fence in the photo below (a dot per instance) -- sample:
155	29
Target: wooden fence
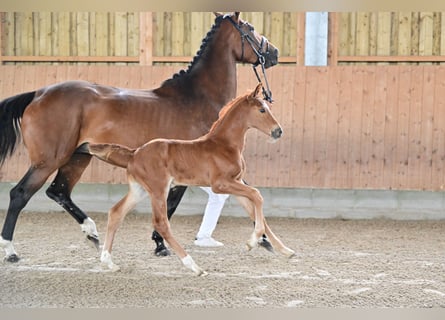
148	38
345	127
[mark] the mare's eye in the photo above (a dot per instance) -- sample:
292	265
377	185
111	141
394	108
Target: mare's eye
262	110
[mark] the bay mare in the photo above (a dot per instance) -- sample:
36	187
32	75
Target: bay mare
55	120
214	160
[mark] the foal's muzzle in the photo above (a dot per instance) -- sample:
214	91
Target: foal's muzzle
276	133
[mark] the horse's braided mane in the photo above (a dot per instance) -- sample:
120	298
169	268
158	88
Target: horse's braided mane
201	50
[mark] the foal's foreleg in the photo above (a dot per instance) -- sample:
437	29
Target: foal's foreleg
116	217
276	242
162	225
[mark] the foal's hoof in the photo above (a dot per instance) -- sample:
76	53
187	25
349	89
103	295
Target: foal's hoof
12	258
162	251
94	240
263	242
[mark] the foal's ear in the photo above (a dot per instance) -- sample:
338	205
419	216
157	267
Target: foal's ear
256	92
236	16
217	14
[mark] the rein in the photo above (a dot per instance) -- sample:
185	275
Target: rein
267	94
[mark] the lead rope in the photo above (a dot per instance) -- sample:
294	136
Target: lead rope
267	94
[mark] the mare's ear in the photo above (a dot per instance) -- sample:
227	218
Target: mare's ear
236	16
257	91
217	14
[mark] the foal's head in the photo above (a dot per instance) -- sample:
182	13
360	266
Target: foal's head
258	114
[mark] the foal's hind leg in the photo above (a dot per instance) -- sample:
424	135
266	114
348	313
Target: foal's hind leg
116	216
61	188
19	197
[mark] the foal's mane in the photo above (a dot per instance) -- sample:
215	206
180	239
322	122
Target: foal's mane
204	44
227	109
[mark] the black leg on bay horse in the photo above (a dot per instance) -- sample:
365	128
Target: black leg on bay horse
264	242
61	188
174	197
19	197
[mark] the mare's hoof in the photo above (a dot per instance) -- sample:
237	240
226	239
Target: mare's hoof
94	240
162	251
263	242
12	258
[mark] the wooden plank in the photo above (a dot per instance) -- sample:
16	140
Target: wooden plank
383	34
300	42
284	114
413	178
82	35
298	105
400	171
345	85
376	165
426	133
177	35
133	30
321	131
23	33
426	33
146	38
391	122
2	35
167	34
395	58
362	34
367	119
333	38
404	33
79	59
332	127
120	34
101	34
197	31
309	127
355	134
438	143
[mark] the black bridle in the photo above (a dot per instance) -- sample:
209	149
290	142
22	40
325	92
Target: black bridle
258	50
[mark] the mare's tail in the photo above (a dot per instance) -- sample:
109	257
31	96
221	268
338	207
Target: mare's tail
112	153
11	112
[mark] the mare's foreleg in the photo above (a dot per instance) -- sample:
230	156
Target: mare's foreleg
61	188
174	197
116	216
19	197
276	242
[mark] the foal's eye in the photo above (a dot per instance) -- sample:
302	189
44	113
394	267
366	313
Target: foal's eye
262	110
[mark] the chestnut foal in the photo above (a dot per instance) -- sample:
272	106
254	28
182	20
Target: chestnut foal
214	160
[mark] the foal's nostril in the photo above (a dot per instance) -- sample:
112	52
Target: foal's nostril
276	133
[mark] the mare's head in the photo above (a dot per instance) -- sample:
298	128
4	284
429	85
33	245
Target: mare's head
248	45
258	114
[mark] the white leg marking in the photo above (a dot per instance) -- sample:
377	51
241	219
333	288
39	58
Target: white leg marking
89	227
252	242
105	258
8	247
189	263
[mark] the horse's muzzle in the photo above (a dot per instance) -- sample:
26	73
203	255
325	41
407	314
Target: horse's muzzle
276	133
270	57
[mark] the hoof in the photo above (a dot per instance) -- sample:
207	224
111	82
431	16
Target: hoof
12	258
162	251
263	242
94	240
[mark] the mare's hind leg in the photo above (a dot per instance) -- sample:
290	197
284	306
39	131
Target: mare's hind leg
276	242
61	188
174	197
19	197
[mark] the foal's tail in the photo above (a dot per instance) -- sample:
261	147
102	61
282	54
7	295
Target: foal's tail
11	112
112	153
